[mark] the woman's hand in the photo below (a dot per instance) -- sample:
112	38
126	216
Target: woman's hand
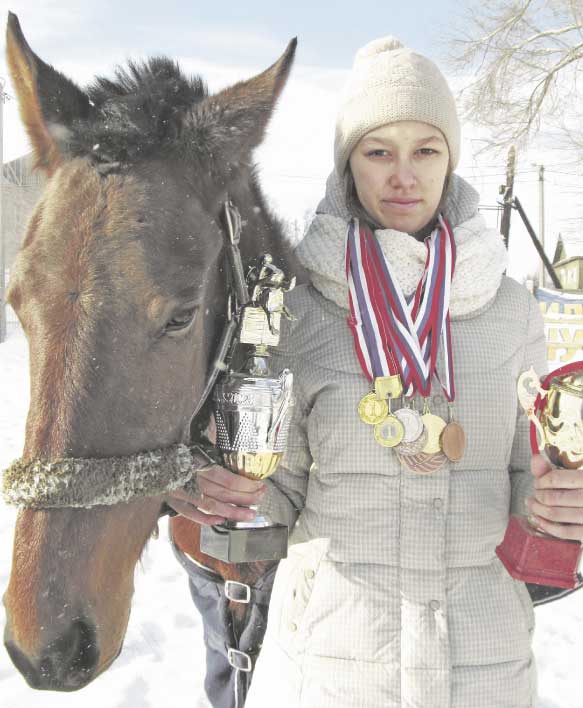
219	489
557	505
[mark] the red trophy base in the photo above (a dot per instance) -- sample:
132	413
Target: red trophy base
535	557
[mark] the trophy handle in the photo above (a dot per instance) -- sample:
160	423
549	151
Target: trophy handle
286	377
527	381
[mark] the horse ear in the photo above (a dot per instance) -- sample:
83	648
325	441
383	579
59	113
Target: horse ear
234	120
48	101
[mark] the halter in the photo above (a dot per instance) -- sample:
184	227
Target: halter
88	482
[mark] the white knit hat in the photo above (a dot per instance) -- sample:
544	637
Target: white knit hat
390	82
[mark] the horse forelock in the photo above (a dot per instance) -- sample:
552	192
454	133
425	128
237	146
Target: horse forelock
137	113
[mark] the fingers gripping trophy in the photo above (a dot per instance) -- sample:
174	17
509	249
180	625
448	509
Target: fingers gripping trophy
555	409
252	410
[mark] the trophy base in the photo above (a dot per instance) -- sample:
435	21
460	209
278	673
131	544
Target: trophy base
245	545
536	557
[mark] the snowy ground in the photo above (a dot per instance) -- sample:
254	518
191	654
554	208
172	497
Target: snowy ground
162	662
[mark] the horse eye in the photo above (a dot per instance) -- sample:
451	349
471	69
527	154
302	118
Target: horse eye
181	321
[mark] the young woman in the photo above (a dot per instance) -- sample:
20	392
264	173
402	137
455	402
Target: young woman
392	594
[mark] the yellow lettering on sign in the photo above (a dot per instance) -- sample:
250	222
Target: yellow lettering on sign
566	340
574	308
554	307
576	322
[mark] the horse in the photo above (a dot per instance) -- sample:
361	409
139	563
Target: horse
120	289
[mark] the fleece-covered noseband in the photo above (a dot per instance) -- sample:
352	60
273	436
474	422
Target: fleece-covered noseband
88	482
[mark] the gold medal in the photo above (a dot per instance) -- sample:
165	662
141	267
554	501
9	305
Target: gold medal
389	432
434	425
372	410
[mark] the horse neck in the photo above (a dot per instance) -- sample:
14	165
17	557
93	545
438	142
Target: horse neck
262	232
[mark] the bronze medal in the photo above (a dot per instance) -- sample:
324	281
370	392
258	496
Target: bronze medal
453	441
389	432
434	425
423	463
372	410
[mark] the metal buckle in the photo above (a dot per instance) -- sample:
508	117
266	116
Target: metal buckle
234	585
234	657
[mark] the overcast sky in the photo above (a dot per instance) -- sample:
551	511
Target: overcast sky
88	36
227	41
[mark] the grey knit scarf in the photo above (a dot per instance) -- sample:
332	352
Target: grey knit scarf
88	482
481	254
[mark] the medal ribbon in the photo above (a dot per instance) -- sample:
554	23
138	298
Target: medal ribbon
384	321
412	328
367	323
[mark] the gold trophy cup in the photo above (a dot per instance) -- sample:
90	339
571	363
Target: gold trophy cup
555	409
252	411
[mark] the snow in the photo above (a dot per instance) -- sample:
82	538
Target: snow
162	662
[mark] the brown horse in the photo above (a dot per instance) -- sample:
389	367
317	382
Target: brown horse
120	289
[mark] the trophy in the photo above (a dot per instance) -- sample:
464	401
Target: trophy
252	410
555	409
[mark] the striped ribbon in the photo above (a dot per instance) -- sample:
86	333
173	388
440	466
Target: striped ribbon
394	334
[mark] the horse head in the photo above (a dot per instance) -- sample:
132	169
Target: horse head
120	290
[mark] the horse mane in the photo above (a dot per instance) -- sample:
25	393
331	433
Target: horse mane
137	113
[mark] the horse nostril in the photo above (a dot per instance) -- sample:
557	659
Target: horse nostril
24	666
85	660
71	660
67	664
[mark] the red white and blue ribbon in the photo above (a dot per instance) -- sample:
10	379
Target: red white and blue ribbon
392	333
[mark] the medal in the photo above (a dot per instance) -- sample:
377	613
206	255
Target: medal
423	463
434	425
453	439
415	435
412	423
371	410
396	341
415	446
390	432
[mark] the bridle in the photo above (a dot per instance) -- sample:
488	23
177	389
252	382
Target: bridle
238	295
89	482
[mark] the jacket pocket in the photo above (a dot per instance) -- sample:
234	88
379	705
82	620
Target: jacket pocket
525	602
304	559
489	622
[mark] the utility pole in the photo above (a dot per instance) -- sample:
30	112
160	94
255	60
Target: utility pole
2	247
541	217
508	191
545	261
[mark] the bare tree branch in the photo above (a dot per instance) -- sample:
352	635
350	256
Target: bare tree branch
525	57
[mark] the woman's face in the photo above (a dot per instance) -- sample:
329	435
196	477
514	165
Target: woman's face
399	171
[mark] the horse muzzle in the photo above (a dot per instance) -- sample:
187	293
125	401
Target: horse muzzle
66	663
